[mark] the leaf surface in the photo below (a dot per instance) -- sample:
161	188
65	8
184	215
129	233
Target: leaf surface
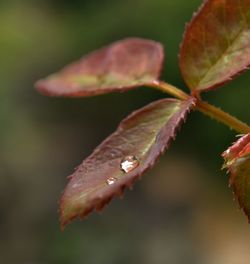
237	159
216	44
143	135
121	66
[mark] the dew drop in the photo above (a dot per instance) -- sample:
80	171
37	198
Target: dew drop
75	185
111	180
129	163
227	151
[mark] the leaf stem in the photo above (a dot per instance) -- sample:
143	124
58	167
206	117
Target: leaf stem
223	117
205	108
170	89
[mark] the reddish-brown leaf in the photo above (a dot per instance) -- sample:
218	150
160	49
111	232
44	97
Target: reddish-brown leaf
121	66
122	157
237	160
216	44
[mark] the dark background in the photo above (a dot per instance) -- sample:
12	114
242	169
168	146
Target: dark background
181	212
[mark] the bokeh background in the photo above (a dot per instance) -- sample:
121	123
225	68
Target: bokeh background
181	212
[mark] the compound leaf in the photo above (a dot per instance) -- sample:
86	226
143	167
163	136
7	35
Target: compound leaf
121	66
216	44
237	159
122	158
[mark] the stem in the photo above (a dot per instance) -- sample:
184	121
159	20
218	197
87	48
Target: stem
223	117
170	89
205	108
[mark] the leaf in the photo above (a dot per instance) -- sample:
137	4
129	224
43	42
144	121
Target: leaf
216	44
123	65
237	160
134	147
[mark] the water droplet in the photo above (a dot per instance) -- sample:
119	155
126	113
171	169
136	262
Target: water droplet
75	185
111	180
129	163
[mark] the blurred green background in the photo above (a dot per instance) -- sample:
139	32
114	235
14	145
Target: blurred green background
181	212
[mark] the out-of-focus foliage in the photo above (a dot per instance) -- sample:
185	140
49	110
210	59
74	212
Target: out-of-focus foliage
237	161
123	65
188	218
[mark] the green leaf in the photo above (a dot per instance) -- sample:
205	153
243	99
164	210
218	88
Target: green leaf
237	160
216	44
124	65
122	158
